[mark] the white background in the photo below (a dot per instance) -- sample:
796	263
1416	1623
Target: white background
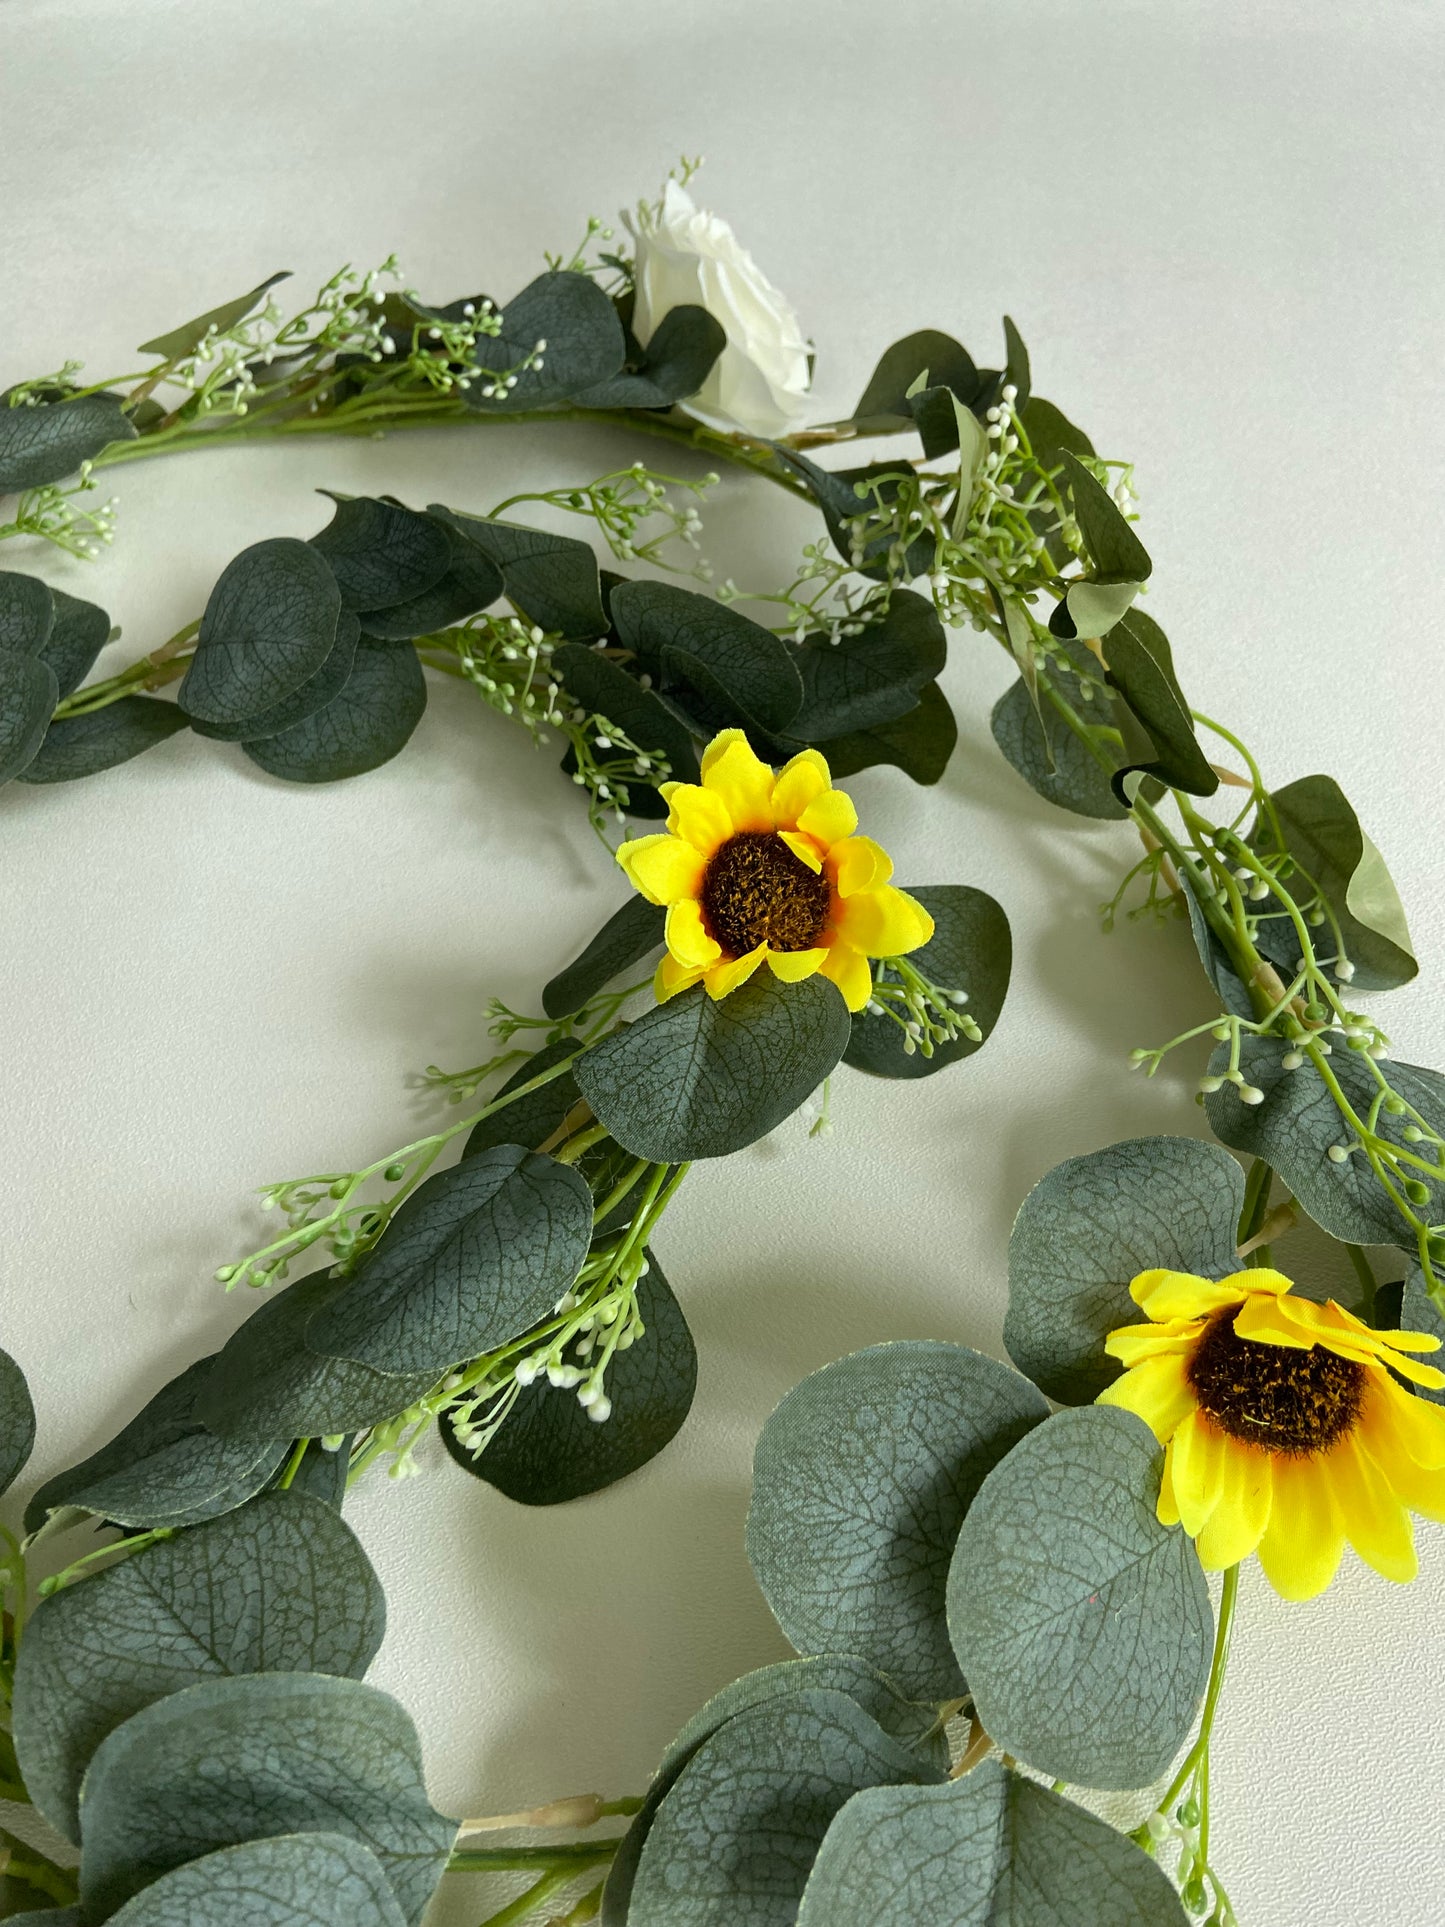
1218	227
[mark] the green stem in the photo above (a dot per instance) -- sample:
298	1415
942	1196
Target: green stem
1367	1280
1222	1634
1256	1200
527	1903
576	1856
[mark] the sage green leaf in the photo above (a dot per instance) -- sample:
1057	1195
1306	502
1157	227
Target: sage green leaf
606	689
1095	606
475	1256
28	695
928	355
102	739
1321	832
698	1079
1088	1228
733	1840
190	335
919	743
551	580
45	441
873	677
584	345
45	1916
313	695
1082	1624
470	581
1051	434
532	1119
302	1753
1016	367
17	1421
27	611
1050	758
676	362
268	627
292	1880
1114	549
944	424
1141	668
752	666
550	1450
1228	985
368	723
81	630
843	494
322	1473
971	950
164	1468
1297	1122
269	1385
629	934
991	1850
380	552
861	1479
281	1585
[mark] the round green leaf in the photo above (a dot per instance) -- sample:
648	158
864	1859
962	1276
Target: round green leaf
971	950
1082	1624
358	730
749	665
532	1119
382	553
27	610
45	441
475	1255
859	681
928	356
323	1471
861	1480
990	1850
552	580
28	695
1057	765
281	1585
313	695
675	363
17	1421
293	1880
698	1079
608	691
629	935
298	1753
269	625
81	630
583	337
470	581
103	739
920	743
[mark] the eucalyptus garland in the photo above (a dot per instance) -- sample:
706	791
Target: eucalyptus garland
994	1575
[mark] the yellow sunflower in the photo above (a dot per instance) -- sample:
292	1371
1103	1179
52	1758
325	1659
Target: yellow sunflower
1287	1430
761	867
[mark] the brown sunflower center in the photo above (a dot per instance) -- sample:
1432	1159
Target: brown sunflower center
1276	1396
756	891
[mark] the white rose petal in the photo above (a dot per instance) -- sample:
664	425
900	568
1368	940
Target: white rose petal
688	257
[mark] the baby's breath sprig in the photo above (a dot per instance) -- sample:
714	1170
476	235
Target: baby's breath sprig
927	1013
63	517
634	513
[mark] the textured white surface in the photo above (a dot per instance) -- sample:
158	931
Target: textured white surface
1218	228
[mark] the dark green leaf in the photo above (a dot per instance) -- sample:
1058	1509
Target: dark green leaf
292	1880
883	406
875	677
1082	1624
992	1850
584	345
313	695
382	553
1016	368
675	363
322	1472
629	935
189	336
1298	1121
1114	548
279	1586
81	631
920	743
44	1916
861	1480
552	580
102	739
845	493
698	1079
1228	984
268	1384
550	1450
1141	668
754	670
1051	434
971	950
28	695
733	1840
529	1120
301	1753
608	691
471	581
27	611
359	730
1088	1228
45	441
164	1468
270	624
1058	765
17	1421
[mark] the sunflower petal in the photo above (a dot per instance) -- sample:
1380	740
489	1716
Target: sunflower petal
1302	1543
699	817
1156	1391
851	971
791	966
1132	1344
741	782
1168	1507
719	747
1395	1424
798	784
1236	1525
663	867
723	978
1166	1295
1266	1322
858	863
687	935
830	817
1421	1489
1198	1470
883	923
803	848
671	977
1376	1523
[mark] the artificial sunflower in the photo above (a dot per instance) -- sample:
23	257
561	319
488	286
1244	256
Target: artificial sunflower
756	866
1286	1427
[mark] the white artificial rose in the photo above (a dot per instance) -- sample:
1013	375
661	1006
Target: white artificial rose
687	257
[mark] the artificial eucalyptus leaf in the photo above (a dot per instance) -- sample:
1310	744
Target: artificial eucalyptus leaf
380	552
364	726
532	1119
17	1421
734	1838
1050	758
1088	1228
1114	549
919	743
1016	364
290	1880
470	582
1229	986
1082	1624
945	423
164	1468
1141	669
102	739
928	355
79	633
313	695
971	950
270	1385
752	666
44	441
28	695
281	1585
1051	434
694	1078
562	323
552	580
1312	821
269	625
191	335
1091	609
322	1471
1297	1123
677	360
27	612
301	1752
844	494
993	1849
876	676
41	1917
474	1256
861	1479
550	1450
608	691
629	934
